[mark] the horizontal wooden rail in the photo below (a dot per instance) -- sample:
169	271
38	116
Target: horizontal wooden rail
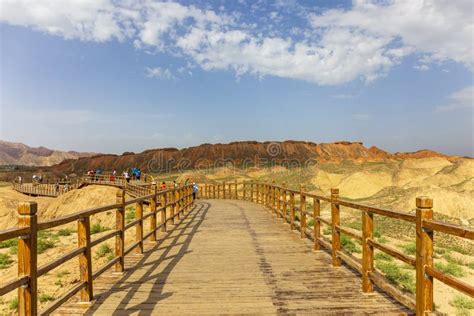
28	272
288	203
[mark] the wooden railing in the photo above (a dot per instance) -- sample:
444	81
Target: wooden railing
176	201
287	204
51	190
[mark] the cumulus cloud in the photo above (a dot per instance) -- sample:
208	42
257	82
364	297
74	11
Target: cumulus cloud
160	73
332	46
462	99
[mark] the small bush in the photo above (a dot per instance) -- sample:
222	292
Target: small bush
5	261
383	240
45	244
103	251
383	256
97	228
462	302
65	232
13	304
327	230
349	245
377	234
43	298
395	275
129	215
471	265
9	243
450	268
310	223
409	249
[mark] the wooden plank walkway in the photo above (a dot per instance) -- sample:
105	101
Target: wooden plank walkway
233	257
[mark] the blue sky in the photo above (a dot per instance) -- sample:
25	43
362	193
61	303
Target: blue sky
115	76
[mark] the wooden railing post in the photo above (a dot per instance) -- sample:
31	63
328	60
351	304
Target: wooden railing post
223	191
177	196
252	186
424	256
367	251
154	235
85	259
302	212
120	227
27	259
163	203
278	202
236	192
139	227
292	210
258	193
317	223
244	196
335	220
273	197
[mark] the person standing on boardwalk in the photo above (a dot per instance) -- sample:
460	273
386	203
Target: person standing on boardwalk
163	186
195	190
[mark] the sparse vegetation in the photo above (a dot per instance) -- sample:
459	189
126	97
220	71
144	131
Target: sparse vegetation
8	243
382	240
450	268
462	304
410	248
130	214
65	232
5	261
98	228
327	230
46	240
103	251
43	298
349	245
13	305
383	256
395	275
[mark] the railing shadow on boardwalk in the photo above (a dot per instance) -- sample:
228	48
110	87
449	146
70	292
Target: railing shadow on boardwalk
187	227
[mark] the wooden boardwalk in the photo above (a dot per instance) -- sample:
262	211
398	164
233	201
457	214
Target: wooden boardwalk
232	257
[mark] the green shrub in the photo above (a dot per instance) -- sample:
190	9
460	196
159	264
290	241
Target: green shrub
5	261
310	223
43	298
377	234
395	275
461	301
349	245
9	243
129	215
409	249
103	251
471	265
13	304
45	244
383	256
97	228
383	240
327	230
65	232
450	268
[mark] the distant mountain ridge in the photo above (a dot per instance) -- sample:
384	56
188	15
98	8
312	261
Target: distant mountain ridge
242	153
20	154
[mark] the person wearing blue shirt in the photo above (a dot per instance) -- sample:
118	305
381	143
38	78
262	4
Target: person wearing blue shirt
195	190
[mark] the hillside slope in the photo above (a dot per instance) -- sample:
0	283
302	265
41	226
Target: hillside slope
236	154
21	154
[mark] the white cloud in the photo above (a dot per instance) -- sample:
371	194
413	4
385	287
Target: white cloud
462	99
160	73
440	28
338	46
